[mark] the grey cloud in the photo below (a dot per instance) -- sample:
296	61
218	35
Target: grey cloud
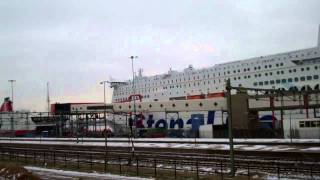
75	44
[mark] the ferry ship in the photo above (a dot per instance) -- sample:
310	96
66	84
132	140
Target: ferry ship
13	123
294	70
298	70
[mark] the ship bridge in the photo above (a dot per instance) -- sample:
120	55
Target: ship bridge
115	84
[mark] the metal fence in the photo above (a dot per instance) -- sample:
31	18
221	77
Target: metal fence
156	167
90	124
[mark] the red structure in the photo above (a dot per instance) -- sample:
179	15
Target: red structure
6	106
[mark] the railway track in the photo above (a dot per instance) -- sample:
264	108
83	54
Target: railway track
295	142
203	159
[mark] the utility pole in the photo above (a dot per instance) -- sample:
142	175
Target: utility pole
229	105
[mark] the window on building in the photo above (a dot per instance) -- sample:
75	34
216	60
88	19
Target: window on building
307	124
284	80
309	78
261	83
316	77
301	124
296	79
266	82
272	82
278	81
290	80
302	78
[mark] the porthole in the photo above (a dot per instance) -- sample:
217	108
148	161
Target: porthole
161	105
150	106
215	104
173	105
187	104
139	106
200	104
129	106
120	107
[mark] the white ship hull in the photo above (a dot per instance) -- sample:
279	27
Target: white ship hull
16	124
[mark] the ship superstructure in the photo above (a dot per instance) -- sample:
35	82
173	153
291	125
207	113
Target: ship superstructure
298	69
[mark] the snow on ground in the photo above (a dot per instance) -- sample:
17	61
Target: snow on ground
243	147
62	174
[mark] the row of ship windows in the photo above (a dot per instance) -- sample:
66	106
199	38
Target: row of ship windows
271	82
265	61
208	76
282	72
168	93
261	83
173	105
289	80
309	124
247	64
174	86
235	78
214	75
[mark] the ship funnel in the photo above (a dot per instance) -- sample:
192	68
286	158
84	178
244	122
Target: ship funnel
6	106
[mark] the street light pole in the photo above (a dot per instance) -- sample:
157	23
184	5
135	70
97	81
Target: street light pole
104	90
105	121
232	168
12	123
12	81
104	101
133	88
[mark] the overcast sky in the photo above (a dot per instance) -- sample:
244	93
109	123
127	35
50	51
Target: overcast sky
75	44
